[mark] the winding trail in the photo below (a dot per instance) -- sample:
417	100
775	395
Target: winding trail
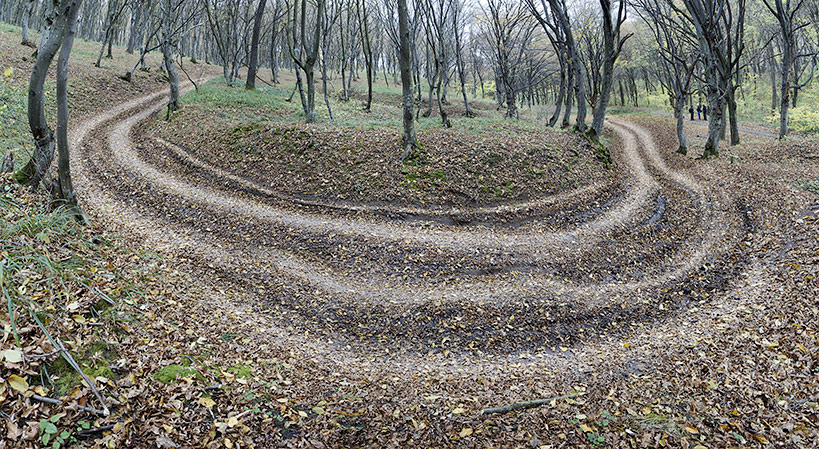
352	274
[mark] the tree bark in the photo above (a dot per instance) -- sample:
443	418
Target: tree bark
36	168
408	138
254	46
65	188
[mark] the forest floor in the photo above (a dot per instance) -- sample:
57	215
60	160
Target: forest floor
668	302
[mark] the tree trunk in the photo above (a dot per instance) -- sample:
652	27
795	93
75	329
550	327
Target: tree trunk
732	114
679	114
511	105
29	10
254	47
715	108
567	113
561	92
408	137
173	79
133	39
785	89
65	188
36	168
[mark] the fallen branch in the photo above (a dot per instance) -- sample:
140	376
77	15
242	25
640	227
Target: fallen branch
53	401
525	404
58	344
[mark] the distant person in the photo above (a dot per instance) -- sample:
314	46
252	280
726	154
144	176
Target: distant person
705	112
699	112
691	111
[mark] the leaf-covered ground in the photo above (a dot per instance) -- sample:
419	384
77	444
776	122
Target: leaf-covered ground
670	304
492	162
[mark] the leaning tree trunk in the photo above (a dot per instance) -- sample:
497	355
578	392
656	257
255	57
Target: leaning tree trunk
34	171
65	188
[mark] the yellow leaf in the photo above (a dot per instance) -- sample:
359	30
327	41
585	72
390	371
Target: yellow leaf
13	355
459	411
318	410
586	428
206	402
79	319
232	421
18	383
7	72
465	432
691	429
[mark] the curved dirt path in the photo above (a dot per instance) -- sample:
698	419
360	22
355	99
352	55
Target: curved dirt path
365	280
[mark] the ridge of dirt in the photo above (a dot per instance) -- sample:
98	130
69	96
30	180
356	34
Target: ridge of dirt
452	169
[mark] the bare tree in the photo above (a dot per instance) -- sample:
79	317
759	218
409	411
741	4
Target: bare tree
678	56
612	45
306	54
720	28
786	14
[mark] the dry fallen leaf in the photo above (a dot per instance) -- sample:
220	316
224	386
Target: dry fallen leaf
12	356
18	383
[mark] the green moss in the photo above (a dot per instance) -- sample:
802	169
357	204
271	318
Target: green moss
240	371
94	361
171	373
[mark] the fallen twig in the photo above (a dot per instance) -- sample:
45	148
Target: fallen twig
87	432
525	404
53	401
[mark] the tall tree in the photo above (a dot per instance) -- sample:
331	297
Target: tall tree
305	54
786	14
612	45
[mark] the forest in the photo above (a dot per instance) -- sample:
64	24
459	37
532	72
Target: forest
409	223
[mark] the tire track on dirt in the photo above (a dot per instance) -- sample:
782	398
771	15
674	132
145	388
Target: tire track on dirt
541	299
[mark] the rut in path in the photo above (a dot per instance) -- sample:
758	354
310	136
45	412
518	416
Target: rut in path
364	279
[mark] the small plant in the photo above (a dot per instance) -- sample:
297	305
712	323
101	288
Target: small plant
49	433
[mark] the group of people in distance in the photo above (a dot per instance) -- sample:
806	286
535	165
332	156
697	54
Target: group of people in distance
702	112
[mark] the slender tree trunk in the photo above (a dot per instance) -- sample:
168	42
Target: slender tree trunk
254	46
567	113
408	138
715	108
173	78
679	114
133	39
785	89
29	10
37	167
561	92
65	188
732	113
